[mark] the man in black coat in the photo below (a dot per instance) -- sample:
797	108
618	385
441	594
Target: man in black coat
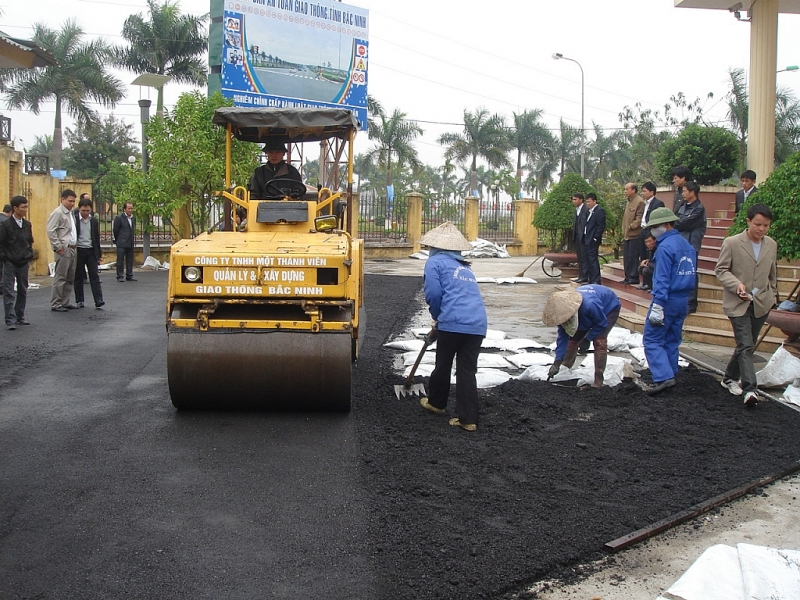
650	204
578	225
748	180
89	253
275	168
691	224
16	253
594	227
123	232
680	175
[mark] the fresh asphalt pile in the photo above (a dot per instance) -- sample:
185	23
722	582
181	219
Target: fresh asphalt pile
551	475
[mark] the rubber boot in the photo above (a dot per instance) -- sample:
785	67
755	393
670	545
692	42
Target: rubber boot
600	360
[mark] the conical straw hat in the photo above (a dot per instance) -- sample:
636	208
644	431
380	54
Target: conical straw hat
560	307
446	237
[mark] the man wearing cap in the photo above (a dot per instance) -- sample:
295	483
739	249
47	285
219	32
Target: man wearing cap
673	281
275	168
586	313
459	315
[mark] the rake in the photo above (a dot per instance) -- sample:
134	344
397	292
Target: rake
409	388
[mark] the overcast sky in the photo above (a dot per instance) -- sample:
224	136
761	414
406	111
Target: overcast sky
434	59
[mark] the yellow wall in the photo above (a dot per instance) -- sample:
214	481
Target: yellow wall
10	174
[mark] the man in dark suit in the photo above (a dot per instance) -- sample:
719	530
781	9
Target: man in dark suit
88	232
16	253
748	180
577	237
122	230
650	204
594	226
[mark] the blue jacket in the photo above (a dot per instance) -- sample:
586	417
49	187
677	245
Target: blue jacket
452	294
676	268
598	302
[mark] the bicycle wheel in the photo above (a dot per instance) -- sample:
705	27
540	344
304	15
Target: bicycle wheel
551	269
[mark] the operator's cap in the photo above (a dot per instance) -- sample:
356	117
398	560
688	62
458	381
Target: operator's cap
274	146
661	215
561	306
445	237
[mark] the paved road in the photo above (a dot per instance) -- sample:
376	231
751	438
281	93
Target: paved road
106	491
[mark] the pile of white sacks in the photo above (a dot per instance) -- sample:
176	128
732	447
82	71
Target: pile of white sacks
504	358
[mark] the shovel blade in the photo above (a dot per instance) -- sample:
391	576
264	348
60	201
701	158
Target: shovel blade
416	389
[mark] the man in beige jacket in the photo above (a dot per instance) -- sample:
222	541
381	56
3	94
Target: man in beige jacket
631	228
747	269
63	238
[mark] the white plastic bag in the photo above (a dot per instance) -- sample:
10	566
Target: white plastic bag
529	359
792	393
781	369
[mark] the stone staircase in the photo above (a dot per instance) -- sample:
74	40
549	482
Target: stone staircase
709	324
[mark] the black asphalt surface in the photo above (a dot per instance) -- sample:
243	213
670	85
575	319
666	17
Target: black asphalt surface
106	491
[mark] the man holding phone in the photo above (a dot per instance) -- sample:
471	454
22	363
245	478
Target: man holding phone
747	269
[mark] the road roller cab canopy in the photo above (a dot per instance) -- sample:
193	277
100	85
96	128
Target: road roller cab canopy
295	125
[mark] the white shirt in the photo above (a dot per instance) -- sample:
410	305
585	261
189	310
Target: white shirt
644	212
19	222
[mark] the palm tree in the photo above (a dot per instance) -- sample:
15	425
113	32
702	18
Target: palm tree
168	44
79	78
484	136
568	147
528	138
394	137
543	165
787	118
604	154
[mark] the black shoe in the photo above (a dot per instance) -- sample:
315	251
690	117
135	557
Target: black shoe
11	327
131	279
660	387
99	304
23	321
79	305
120	279
59	309
72	306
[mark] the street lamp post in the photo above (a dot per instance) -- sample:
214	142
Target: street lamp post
156	81
558	56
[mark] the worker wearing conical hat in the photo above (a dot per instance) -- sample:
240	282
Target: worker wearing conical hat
457	308
585	313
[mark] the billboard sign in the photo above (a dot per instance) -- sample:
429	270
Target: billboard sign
295	54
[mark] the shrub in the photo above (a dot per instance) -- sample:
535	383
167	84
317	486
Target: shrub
555	216
781	192
711	153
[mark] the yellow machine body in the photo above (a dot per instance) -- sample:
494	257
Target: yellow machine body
267	318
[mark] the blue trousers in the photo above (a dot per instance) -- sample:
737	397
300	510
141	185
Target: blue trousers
661	343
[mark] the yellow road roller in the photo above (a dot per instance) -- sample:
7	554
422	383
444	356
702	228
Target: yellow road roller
265	316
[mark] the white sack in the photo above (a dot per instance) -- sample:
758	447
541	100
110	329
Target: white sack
494	344
639	357
492	361
746	572
409	345
488	378
517	344
485	280
422	371
495	334
421	255
781	369
792	393
617	368
152	263
529	359
409	358
539	373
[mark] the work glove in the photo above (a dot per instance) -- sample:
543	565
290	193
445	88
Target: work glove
656	315
553	370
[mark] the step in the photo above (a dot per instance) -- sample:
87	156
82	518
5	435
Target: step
635	322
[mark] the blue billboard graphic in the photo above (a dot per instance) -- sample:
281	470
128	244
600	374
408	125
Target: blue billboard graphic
292	54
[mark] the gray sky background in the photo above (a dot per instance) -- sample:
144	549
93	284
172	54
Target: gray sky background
433	60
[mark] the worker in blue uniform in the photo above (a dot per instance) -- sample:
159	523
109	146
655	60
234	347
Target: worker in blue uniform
587	313
673	281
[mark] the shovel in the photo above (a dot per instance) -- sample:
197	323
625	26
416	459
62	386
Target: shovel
409	389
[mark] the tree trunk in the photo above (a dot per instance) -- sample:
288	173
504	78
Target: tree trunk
57	138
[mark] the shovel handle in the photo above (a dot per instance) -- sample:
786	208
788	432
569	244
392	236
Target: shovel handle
427	343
